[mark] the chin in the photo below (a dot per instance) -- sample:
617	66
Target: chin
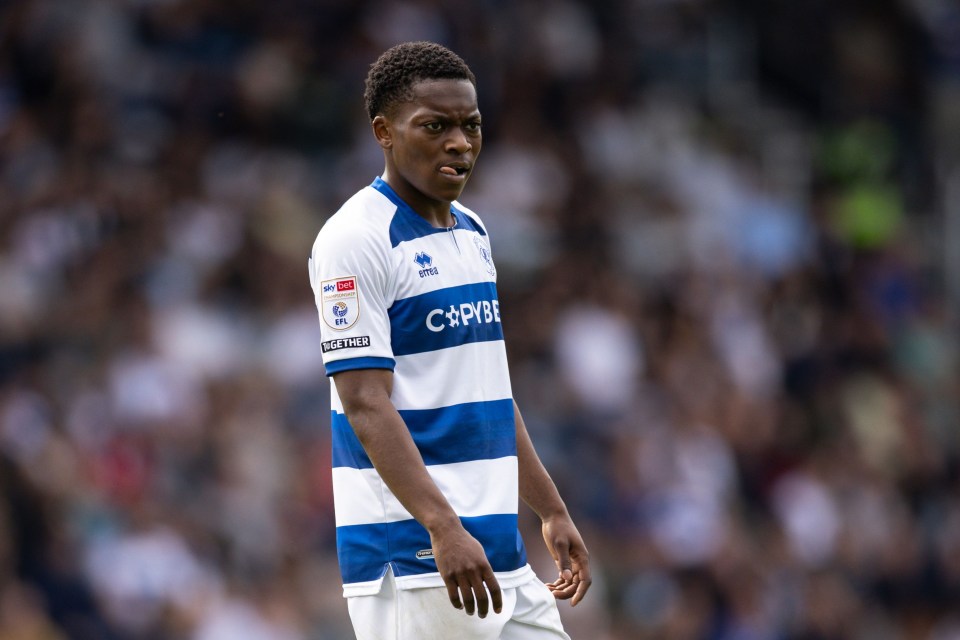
448	194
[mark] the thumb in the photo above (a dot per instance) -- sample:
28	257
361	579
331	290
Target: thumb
563	561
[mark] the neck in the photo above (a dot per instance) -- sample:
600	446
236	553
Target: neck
438	220
435	212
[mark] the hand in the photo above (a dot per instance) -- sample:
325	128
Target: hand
465	570
571	557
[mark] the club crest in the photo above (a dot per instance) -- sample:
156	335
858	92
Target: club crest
485	254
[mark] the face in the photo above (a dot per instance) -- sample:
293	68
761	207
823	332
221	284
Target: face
431	144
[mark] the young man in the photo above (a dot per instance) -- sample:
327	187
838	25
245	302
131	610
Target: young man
430	452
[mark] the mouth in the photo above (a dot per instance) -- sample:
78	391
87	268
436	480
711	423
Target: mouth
455	169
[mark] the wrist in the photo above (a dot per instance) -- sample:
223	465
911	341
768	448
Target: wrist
439	523
554	513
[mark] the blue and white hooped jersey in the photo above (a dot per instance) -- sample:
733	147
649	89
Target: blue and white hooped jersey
394	292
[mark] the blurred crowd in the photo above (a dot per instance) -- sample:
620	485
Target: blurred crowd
725	233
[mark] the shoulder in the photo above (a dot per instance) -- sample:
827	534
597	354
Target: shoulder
470	218
363	221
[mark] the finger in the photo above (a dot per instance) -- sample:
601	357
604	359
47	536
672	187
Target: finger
560	590
466	592
496	596
559	583
454	595
565	592
483	603
584	582
563	563
566	589
580	592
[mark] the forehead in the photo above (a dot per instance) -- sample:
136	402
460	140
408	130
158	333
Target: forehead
455	97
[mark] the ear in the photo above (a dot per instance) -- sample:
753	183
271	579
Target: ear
382	131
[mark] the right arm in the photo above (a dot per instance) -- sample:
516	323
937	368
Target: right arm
460	559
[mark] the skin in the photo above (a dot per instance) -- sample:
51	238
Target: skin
423	141
563	540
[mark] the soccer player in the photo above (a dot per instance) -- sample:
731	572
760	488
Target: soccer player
430	452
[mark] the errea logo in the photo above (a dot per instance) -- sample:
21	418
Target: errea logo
426	264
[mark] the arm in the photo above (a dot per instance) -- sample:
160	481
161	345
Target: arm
460	559
561	536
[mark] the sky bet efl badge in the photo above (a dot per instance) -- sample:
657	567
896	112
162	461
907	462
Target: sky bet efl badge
341	302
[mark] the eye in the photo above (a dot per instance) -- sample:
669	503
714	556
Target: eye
473	127
435	127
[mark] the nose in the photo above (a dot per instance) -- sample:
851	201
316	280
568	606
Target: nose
458	142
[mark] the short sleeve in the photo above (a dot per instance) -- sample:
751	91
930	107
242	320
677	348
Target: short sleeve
349	275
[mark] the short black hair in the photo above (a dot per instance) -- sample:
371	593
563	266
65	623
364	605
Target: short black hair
392	77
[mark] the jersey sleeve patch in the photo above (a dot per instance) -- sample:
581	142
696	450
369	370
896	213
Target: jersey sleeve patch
340	302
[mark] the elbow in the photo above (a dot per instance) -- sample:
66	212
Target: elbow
364	396
358	406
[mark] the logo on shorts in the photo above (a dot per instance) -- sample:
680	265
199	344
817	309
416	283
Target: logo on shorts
424	554
340	302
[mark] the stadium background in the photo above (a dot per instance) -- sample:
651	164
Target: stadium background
727	239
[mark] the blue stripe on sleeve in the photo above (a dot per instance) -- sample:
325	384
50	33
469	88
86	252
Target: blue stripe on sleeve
445	318
459	433
366	362
365	550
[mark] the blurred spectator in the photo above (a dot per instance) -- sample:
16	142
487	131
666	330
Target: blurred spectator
724	232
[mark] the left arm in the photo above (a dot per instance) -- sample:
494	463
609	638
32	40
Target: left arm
560	534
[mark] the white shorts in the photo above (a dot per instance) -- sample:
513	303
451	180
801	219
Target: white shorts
529	613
